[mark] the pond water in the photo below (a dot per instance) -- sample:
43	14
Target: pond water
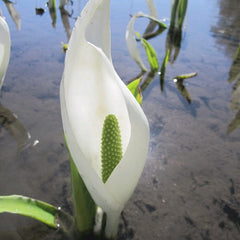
190	187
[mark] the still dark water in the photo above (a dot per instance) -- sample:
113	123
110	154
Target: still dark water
190	187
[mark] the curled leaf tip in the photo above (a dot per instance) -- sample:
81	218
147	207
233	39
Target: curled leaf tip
111	152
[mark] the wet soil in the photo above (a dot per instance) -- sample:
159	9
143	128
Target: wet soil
190	187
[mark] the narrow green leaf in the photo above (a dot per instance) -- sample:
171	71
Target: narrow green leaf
29	207
111	148
163	69
185	76
160	24
135	89
151	54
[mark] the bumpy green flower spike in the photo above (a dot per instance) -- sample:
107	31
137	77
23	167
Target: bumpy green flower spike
111	152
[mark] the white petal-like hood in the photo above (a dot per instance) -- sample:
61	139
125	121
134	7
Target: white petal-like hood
91	90
4	49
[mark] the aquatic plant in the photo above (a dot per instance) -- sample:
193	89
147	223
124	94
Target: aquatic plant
132	42
103	123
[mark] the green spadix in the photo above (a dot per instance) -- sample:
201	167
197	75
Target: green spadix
111	146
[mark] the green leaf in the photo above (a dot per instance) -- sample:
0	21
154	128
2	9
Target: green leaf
160	24
185	76
151	54
29	207
135	89
163	68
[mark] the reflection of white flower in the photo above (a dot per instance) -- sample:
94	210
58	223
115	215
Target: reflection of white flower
90	91
4	49
62	3
235	100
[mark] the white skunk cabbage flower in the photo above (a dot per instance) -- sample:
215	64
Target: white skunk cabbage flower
110	159
5	43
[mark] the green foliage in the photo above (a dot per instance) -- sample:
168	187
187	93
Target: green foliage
135	89
111	152
29	207
149	33
151	54
161	25
185	76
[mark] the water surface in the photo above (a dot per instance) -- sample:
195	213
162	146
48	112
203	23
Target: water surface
190	185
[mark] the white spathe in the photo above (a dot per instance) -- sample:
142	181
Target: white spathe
91	90
5	43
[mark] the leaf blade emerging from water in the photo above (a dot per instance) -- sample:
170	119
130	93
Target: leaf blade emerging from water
29	207
185	76
135	89
151	54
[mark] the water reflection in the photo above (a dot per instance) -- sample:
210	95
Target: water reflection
227	34
234	77
39	11
10	122
172	45
13	13
65	15
227	31
174	35
182	88
52	11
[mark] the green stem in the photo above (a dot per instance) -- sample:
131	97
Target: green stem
85	208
